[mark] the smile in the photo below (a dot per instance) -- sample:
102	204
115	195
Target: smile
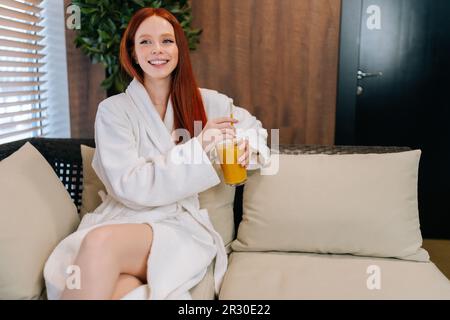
158	62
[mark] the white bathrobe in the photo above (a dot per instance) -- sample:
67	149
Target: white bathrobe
149	179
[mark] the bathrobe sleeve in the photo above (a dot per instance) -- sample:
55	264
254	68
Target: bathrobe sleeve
140	182
249	127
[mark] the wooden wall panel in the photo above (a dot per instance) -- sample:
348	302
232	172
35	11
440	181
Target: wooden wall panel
85	92
276	58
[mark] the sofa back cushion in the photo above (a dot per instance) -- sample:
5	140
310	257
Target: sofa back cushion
361	204
218	200
92	185
36	213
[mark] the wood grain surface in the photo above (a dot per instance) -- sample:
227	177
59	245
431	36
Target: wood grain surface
276	58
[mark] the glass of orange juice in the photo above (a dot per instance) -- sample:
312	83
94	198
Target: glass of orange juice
228	153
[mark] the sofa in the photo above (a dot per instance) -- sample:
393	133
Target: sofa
323	222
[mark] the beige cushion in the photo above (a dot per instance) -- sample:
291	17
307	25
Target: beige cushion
204	290
90	199
217	200
36	213
320	276
361	204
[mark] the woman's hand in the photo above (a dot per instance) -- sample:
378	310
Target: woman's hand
244	153
216	130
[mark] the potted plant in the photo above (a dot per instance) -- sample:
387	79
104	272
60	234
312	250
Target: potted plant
103	23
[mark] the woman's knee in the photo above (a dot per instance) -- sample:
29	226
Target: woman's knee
97	240
110	240
126	246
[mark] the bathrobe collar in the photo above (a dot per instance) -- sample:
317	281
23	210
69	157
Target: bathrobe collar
169	117
157	129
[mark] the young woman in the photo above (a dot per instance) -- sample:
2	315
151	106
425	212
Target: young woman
150	239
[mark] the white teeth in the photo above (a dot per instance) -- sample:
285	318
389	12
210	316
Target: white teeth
158	62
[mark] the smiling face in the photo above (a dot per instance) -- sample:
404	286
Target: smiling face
155	48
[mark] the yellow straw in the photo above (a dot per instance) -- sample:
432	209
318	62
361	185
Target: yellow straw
231	111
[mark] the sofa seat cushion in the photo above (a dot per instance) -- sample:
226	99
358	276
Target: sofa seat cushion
269	275
204	290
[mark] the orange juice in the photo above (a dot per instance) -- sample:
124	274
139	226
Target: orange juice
233	173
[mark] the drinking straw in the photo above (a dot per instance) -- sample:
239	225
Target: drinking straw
231	110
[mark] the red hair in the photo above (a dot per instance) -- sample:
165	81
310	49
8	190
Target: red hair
185	95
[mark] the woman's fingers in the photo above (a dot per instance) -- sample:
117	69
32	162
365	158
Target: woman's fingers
243	144
245	156
243	160
224	136
224	125
224	120
228	131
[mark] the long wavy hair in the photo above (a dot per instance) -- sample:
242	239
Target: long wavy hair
185	94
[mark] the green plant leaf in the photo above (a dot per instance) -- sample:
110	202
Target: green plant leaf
86	10
139	2
104	36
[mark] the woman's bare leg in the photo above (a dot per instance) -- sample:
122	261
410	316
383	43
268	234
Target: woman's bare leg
125	285
105	253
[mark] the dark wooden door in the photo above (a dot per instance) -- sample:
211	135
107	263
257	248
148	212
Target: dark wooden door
402	94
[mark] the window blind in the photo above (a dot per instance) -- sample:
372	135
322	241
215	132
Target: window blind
22	96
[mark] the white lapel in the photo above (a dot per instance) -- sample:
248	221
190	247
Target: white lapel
157	130
169	117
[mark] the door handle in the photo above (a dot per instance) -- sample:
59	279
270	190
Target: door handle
362	74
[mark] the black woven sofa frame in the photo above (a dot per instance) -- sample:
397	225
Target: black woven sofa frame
64	155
